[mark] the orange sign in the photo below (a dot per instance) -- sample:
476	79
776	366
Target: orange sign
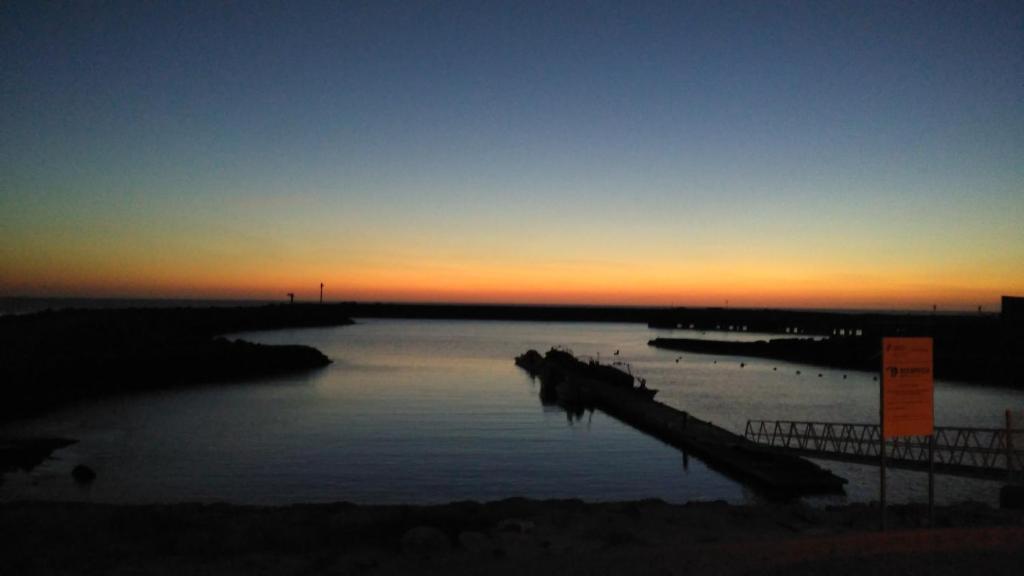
907	389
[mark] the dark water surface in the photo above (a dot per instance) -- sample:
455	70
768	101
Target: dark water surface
434	411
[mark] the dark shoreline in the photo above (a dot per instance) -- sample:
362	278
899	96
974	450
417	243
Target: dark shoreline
52	358
513	536
27	453
985	348
834	353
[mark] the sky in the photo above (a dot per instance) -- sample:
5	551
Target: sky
796	154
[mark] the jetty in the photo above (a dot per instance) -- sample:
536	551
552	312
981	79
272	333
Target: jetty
837	352
614	392
56	357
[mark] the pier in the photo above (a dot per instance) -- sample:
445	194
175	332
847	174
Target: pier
613	391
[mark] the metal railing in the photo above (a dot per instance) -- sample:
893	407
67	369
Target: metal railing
996	453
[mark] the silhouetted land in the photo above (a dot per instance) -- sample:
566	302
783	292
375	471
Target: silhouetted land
613	391
968	347
976	348
53	357
50	357
952	359
501	312
513	536
775	321
27	453
853	353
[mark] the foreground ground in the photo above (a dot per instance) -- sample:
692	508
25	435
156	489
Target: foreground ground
508	537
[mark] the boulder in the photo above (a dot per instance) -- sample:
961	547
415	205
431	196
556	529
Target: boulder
475	542
425	541
83	474
1012	496
515	525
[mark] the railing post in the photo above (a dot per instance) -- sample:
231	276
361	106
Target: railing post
1009	446
931	480
881	449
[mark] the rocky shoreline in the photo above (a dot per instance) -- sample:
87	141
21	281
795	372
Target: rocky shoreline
851	353
27	453
512	536
51	358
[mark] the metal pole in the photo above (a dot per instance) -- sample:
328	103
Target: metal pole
931	466
931	480
1009	446
881	447
321	292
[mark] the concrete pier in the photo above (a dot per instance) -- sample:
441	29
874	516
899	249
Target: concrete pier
730	453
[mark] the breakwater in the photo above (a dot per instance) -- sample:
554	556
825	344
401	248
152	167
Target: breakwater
952	362
852	353
980	347
53	357
615	392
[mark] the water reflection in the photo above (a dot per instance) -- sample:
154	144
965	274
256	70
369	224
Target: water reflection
552	400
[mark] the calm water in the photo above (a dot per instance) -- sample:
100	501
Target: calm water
434	411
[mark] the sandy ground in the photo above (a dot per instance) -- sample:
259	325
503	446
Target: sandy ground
507	537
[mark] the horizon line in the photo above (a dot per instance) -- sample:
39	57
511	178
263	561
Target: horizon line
994	310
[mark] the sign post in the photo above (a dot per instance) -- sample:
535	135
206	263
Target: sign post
881	451
907	402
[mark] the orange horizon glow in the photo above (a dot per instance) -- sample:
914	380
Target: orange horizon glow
520	286
779	275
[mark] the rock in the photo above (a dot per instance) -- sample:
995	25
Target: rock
425	541
515	525
27	453
83	474
1011	496
475	542
809	514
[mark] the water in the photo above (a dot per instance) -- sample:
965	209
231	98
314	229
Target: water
434	411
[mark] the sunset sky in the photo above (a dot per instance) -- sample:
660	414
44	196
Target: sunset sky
819	154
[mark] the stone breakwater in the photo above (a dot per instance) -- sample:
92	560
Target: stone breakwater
54	357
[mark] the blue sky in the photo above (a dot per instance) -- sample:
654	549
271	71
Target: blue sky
801	153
